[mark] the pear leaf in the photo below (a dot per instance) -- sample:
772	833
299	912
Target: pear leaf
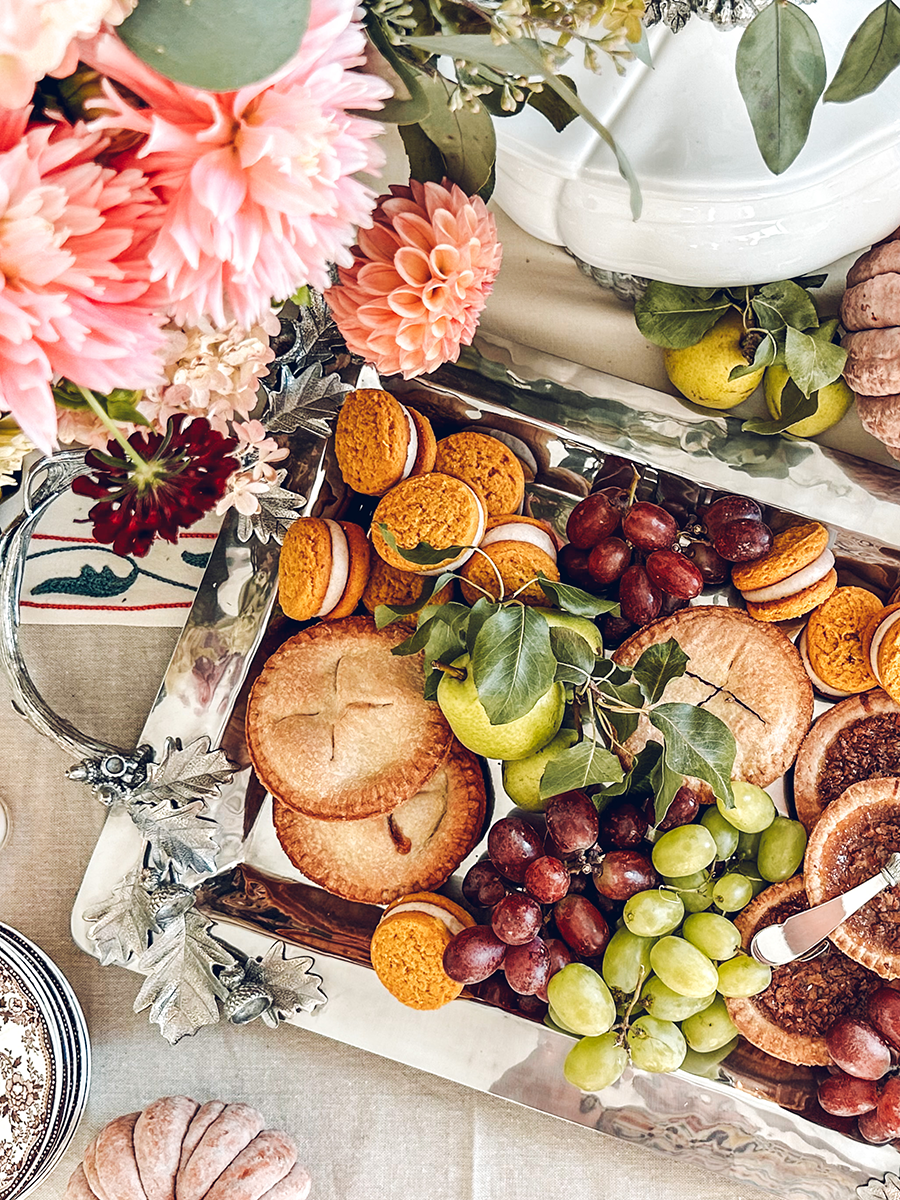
512	663
478	614
624	722
387	614
763	356
675	317
639	780
575	601
697	743
421	555
574	656
813	362
776	305
794	407
665	784
586	764
659	664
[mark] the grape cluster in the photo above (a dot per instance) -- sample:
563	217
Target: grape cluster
658	557
600	923
861	1083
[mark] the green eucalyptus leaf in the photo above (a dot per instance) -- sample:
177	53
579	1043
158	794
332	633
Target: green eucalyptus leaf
783	303
641	49
871	55
408	110
575	601
465	139
697	743
573	654
426	162
586	764
559	112
674	317
781	72
478	48
812	362
665	784
421	555
794	407
763	356
201	44
659	664
512	663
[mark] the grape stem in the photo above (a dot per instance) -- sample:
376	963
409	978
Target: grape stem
626	1016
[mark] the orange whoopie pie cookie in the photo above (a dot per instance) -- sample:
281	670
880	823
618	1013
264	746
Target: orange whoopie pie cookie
323	568
488	465
793	578
436	509
834	641
379	441
881	641
408	946
516	548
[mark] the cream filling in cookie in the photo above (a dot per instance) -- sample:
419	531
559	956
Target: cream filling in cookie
476	540
880	633
412	449
340	568
454	925
819	684
797	582
518	531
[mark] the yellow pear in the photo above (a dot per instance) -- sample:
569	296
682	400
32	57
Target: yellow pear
834	401
700	372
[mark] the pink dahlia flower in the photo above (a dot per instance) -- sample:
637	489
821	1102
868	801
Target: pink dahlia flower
419	280
257	183
74	273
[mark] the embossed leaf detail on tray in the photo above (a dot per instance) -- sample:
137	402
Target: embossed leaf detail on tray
289	981
889	1189
306	401
185	773
181	989
178	835
315	337
278	509
121	924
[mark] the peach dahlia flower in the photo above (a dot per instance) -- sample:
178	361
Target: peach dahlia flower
419	280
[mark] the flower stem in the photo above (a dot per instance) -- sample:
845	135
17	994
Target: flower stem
99	411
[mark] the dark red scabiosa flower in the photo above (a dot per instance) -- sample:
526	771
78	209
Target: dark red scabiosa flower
173	479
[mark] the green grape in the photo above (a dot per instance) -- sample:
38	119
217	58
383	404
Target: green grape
710	1029
684	850
656	1045
714	936
626	960
660	1001
781	849
751	871
700	898
552	1019
595	1062
725	834
652	913
686	883
732	892
743	976
753	809
747	847
581	1000
707	1065
682	967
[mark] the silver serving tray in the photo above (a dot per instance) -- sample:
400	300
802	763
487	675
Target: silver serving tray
257	897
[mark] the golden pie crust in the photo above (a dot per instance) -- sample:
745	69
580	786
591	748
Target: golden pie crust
414	848
338	727
863	733
747	673
852	840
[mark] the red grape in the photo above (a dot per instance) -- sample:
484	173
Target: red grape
671	604
889	1105
591	520
608	561
883	1011
649	527
624	873
516	919
684	807
857	1048
474	954
547	879
743	540
674	574
581	926
730	508
512	844
844	1095
497	992
712	566
639	597
572	821
622	826
483	885
573	566
533	1007
527	967
616	630
871	1127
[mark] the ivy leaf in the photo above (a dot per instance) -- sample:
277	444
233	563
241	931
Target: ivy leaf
871	54
512	663
121	925
573	654
764	356
697	743
781	72
575	601
421	555
674	317
206	47
659	664
783	303
794	407
585	764
813	362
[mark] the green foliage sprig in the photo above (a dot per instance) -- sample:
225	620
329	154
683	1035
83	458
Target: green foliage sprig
783	329
515	655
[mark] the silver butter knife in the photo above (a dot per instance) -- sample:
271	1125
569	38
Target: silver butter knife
802	935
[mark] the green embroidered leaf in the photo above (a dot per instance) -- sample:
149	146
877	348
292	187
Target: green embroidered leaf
512	663
871	55
575	601
585	764
675	317
659	664
697	743
781	72
89	582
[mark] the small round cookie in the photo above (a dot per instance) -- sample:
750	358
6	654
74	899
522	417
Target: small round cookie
881	642
379	441
793	549
819	684
488	465
834	636
390	585
796	605
407	949
437	509
322	569
512	552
